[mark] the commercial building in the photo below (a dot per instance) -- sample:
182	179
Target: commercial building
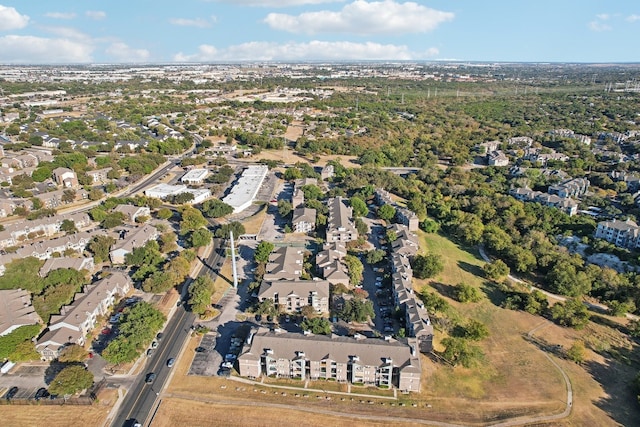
195	176
163	191
246	188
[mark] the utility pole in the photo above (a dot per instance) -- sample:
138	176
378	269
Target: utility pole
233	261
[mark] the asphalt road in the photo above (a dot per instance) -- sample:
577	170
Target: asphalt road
140	401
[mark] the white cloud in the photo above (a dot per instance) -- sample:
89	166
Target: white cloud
60	15
11	19
198	22
96	14
314	50
38	50
598	26
273	3
68	33
603	16
364	18
121	52
633	18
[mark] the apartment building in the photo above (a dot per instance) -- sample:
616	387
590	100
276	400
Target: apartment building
285	263
330	266
17	233
76	320
303	220
292	295
574	187
340	227
131	212
131	239
16	310
624	234
358	360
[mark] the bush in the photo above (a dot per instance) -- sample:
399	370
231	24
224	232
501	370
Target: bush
467	293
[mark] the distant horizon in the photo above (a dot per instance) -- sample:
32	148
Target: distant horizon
232	31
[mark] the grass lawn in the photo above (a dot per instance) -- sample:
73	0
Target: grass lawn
56	415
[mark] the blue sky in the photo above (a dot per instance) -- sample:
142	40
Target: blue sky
163	31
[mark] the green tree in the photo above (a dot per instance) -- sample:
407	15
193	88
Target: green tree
475	330
200	293
467	293
355	267
9	343
112	220
68	195
165	213
429	226
192	219
224	229
496	270
459	352
73	353
263	251
426	266
357	310
359	206
565	279
215	208
317	325
572	313
200	237
386	212
168	242
99	246
577	352
292	173
375	256
284	208
68	226
71	380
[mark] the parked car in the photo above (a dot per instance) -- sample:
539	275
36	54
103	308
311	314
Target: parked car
171	362
41	393
106	331
11	393
150	352
200	349
154	344
159	336
150	378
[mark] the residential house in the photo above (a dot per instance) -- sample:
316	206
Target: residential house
497	158
327	172
16	310
76	320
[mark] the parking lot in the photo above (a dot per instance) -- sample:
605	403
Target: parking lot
27	377
206	360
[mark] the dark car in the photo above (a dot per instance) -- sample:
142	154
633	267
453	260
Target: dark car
159	336
200	349
41	393
224	372
11	393
150	377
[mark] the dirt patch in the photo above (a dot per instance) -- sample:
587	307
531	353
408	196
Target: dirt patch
54	416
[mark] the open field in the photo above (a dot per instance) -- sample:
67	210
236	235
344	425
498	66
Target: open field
56	415
289	156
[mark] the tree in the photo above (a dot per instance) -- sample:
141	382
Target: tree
95	194
355	267
429	226
577	352
224	230
284	208
266	308
375	256
68	195
467	293
317	325
200	293
71	380
9	343
192	219
215	208
182	198
359	206
357	310
264	249
386	212
73	353
165	213
496	270
572	313
200	237
361	227
292	173
459	352
475	330
168	242
100	246
112	220
565	279
68	226
426	266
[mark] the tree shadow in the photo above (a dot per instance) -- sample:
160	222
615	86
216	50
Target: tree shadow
493	292
444	289
471	268
54	369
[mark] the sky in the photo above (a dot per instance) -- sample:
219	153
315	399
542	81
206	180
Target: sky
168	31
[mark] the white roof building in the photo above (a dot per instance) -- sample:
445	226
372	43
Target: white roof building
194	176
245	190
